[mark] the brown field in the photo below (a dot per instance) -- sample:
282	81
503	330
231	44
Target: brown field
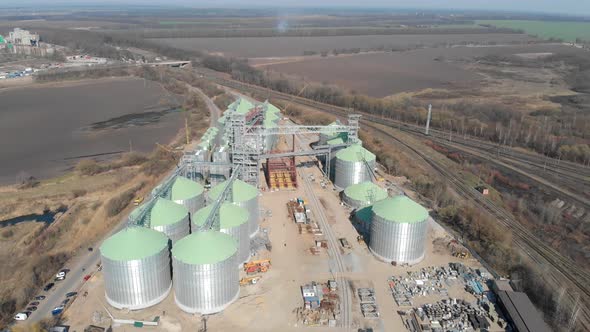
291	46
383	74
47	128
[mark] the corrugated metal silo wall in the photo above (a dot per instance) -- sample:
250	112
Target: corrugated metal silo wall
242	235
137	284
175	231
351	172
398	242
206	288
192	204
252	207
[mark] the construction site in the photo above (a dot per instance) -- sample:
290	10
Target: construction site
271	225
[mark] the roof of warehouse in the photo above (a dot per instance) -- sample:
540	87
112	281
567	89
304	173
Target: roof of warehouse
166	212
522	312
184	188
230	215
400	209
355	153
366	191
241	191
133	243
205	248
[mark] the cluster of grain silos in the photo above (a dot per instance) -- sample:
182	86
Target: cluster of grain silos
243	195
136	267
398	230
363	194
206	275
188	193
169	218
232	220
353	165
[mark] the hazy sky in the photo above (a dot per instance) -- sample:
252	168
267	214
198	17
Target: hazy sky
577	7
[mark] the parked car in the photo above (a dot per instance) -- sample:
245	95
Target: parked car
70	294
34	304
60	274
48	286
64	302
21	316
86	277
33	308
57	310
40	297
59	278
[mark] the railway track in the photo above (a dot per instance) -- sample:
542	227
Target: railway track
528	243
560	269
346	315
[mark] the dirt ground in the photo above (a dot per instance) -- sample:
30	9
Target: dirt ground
384	74
270	304
295	46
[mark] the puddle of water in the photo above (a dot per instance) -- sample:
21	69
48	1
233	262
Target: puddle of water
47	218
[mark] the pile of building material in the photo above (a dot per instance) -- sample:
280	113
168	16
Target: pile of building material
320	304
435	281
368	303
449	315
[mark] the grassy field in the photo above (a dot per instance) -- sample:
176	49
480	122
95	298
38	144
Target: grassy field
567	31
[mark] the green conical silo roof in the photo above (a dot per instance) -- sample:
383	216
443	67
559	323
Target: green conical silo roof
230	215
365	191
355	153
184	188
166	212
400	209
271	116
329	129
2	41
241	191
133	243
243	106
336	141
208	247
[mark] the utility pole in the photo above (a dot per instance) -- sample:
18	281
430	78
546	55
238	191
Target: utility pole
428	119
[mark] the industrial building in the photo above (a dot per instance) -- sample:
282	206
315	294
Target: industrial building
398	230
136	267
206	274
20	37
520	312
232	220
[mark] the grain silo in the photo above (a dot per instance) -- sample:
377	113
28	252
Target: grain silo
233	220
363	194
243	195
136	268
169	218
398	230
206	273
353	165
188	193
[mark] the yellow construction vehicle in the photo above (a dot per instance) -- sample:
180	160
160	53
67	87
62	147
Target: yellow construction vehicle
249	280
257	266
138	201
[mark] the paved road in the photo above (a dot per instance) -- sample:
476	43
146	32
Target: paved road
81	265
